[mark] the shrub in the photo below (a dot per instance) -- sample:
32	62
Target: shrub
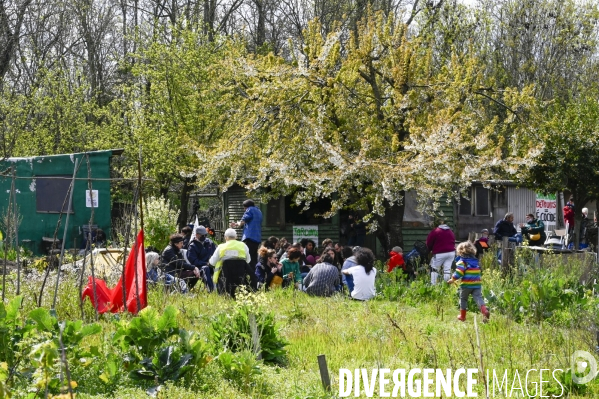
155	348
231	330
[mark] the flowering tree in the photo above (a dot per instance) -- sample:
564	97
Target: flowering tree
361	119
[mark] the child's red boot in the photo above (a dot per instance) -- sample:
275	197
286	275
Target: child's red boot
462	316
485	312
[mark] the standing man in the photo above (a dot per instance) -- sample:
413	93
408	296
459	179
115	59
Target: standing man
252	229
441	243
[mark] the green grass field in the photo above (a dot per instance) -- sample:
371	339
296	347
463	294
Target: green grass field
407	327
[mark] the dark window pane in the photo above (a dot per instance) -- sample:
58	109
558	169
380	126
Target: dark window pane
50	193
482	201
273	212
465	206
294	214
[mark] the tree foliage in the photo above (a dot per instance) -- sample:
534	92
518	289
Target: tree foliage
360	118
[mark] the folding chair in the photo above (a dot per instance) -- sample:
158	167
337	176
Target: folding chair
558	238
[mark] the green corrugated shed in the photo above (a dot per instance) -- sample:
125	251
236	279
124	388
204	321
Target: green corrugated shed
37	222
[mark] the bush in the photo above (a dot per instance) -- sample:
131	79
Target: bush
231	330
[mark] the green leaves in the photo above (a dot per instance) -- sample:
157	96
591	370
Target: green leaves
147	331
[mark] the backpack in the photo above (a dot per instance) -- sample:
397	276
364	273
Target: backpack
421	248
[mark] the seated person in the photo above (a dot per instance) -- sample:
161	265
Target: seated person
229	275
271	243
282	247
186	231
349	255
327	242
199	253
175	265
363	275
323	278
505	228
154	274
482	244
396	260
310	255
267	268
291	268
534	230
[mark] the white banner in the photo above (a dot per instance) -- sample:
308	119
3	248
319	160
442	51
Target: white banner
309	232
546	210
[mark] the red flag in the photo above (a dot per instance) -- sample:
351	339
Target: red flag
135	284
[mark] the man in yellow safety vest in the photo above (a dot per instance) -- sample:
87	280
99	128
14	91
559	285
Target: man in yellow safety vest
231	249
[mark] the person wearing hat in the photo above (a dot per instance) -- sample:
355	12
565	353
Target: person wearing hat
175	264
395	259
199	253
232	276
482	244
534	230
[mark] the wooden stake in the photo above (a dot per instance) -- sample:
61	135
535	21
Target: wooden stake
16	224
64	235
324	372
6	241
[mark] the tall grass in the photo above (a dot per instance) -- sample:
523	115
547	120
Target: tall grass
408	325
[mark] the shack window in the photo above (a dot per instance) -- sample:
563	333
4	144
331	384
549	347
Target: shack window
482	201
294	214
465	206
273	212
52	193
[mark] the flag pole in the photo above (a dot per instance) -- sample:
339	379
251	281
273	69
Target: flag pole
141	208
141	222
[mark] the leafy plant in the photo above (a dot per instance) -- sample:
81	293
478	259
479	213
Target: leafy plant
157	349
241	367
4	391
232	330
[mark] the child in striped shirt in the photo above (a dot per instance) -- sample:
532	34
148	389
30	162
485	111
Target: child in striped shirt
468	270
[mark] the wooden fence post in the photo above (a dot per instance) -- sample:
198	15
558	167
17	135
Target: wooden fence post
324	372
505	254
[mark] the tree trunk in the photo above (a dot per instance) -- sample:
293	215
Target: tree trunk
390	230
10	35
209	18
188	185
261	28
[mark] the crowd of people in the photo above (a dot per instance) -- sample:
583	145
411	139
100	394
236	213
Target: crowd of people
268	264
334	269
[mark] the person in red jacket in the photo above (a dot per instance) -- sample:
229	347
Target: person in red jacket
396	259
441	243
569	215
